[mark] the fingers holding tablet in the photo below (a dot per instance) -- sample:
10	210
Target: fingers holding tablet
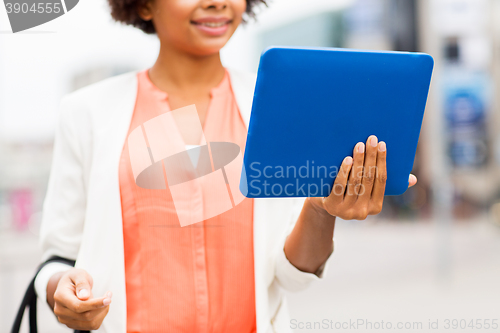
369	170
354	186
412	180
334	204
359	187
379	184
337	195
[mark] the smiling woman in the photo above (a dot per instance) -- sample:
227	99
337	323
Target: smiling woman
125	11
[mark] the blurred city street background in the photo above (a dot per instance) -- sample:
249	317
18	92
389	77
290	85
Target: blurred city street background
432	255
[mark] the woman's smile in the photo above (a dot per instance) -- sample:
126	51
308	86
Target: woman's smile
212	26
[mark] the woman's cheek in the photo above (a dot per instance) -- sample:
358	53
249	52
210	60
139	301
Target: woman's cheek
239	5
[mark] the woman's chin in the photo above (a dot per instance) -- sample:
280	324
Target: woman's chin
207	45
207	49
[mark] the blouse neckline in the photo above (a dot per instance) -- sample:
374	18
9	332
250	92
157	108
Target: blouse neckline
163	95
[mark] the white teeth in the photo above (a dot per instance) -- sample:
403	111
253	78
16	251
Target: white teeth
214	24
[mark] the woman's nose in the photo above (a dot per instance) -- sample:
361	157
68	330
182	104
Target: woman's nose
214	4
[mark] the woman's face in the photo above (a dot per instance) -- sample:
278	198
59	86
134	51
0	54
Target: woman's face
199	27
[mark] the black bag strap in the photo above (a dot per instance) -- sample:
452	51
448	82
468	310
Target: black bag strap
29	299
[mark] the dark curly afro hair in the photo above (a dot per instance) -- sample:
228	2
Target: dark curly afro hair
125	11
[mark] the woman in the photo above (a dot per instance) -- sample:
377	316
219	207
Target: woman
224	274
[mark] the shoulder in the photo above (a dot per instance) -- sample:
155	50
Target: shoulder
102	93
243	79
88	109
243	84
97	101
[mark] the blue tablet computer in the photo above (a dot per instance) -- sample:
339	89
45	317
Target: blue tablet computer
312	105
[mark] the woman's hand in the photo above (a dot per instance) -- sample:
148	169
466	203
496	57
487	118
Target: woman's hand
358	191
359	188
73	303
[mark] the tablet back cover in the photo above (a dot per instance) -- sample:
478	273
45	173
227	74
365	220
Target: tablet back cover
311	106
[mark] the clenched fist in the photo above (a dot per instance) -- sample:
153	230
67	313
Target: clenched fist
70	296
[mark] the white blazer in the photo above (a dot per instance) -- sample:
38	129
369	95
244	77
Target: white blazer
82	217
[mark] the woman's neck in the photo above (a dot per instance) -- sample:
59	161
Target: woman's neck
178	72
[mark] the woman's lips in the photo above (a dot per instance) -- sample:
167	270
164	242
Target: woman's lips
214	27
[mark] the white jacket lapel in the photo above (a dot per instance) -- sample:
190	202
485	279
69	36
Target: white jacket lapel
101	251
243	84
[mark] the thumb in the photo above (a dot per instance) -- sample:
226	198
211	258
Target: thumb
412	180
83	284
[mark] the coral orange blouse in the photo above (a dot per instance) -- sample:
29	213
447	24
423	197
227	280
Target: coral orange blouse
197	278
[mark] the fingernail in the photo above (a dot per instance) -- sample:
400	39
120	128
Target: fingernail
382	147
109	294
83	293
348	160
361	148
106	301
412	179
374	141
